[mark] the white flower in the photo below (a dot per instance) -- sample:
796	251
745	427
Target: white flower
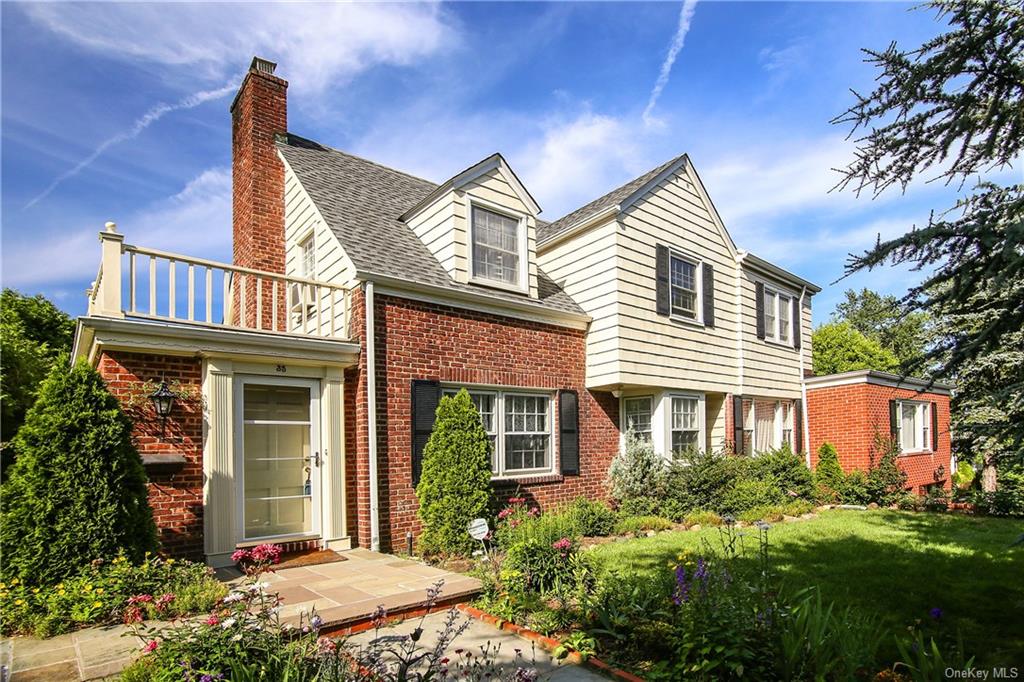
233	597
227	623
237	637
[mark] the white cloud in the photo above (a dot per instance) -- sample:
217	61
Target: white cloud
685	16
196	220
321	43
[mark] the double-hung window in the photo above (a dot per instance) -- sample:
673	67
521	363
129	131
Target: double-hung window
913	425
638	416
685	424
497	247
683	286
307	257
767	424
778	323
519	426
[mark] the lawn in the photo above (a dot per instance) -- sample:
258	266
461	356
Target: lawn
898	565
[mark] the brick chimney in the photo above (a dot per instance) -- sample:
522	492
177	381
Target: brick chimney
259	113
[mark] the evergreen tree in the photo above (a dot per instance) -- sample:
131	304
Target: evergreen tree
77	490
953	109
455	486
837	347
829	472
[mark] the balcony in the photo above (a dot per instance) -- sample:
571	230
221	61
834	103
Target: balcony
141	283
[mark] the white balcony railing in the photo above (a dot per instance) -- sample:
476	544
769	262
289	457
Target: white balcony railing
146	283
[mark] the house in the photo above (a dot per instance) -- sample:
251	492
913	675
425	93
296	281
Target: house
851	410
309	369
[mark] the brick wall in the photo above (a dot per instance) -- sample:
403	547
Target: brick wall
258	114
424	341
176	498
849	416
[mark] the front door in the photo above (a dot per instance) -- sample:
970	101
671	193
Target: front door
279	448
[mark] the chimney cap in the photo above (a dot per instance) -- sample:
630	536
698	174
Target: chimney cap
262	65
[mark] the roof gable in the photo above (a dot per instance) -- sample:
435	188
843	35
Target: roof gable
494	162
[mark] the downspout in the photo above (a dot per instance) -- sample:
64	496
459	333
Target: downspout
803	384
371	414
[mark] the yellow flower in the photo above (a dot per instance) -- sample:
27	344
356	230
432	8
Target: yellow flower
97	604
14	581
35	590
3	585
60	586
87	588
170	561
99	591
18	602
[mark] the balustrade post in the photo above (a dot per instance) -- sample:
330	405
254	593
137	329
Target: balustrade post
108	298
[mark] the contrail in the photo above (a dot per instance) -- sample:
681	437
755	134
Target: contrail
685	15
141	123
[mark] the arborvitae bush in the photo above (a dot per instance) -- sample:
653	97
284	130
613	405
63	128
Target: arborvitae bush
886	480
785	468
455	486
77	490
829	476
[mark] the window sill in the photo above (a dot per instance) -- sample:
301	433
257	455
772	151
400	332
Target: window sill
911	453
687	321
493	284
527	479
780	344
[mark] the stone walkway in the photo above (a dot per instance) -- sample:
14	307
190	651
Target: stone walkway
342	593
479	635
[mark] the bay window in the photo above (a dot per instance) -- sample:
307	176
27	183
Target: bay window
519	426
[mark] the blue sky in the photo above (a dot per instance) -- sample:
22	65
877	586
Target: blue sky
119	112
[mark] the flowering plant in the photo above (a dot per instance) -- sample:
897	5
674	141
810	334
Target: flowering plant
258	559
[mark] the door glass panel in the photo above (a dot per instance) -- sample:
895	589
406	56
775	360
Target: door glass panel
276	453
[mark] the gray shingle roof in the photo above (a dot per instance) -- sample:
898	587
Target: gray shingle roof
616	196
362	201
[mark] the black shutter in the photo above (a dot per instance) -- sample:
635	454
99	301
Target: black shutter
569	432
661	287
737	420
798	326
893	419
709	294
798	426
935	427
425	397
759	308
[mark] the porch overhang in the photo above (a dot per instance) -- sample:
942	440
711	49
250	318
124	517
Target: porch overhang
95	333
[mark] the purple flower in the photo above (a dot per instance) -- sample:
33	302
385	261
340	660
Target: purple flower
682	591
935	613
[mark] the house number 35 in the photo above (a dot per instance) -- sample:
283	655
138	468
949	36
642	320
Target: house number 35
282	369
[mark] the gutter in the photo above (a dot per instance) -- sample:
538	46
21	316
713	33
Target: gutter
805	423
371	415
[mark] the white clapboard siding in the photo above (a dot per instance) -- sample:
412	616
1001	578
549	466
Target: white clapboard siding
770	369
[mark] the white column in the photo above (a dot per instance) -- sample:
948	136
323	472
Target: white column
109	298
219	476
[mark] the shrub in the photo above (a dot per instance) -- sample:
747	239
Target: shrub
641	506
886	481
936	498
855	488
591	517
77	490
636	471
639	524
699	480
787	469
533	566
1008	497
829	473
750	493
775	513
455	486
519	522
101	594
704	518
963	477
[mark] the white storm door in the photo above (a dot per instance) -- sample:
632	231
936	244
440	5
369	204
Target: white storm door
278	457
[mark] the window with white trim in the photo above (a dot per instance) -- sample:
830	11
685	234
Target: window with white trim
786	415
683	286
767	424
913	426
307	257
519	426
497	247
685	424
638	416
778	323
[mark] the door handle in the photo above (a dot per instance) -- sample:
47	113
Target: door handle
316	458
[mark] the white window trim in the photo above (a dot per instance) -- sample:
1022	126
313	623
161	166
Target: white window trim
698	276
308	237
623	423
524	266
701	421
923	433
778	426
499	422
772	335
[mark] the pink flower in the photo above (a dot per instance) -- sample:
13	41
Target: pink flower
506	512
534	512
563	545
326	645
132	614
140	599
514	522
151	646
240	555
516	500
212	620
163	601
268	553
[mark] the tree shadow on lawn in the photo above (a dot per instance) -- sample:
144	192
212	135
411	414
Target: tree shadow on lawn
897	566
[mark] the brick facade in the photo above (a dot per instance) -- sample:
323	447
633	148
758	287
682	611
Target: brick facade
424	341
850	415
176	497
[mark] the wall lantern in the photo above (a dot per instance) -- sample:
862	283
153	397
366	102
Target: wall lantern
940	473
163	401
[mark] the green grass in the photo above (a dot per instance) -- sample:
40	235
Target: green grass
896	565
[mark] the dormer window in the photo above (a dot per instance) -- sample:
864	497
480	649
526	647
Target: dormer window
498	247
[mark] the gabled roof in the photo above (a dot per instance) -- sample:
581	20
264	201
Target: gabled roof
362	201
493	162
761	265
617	197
